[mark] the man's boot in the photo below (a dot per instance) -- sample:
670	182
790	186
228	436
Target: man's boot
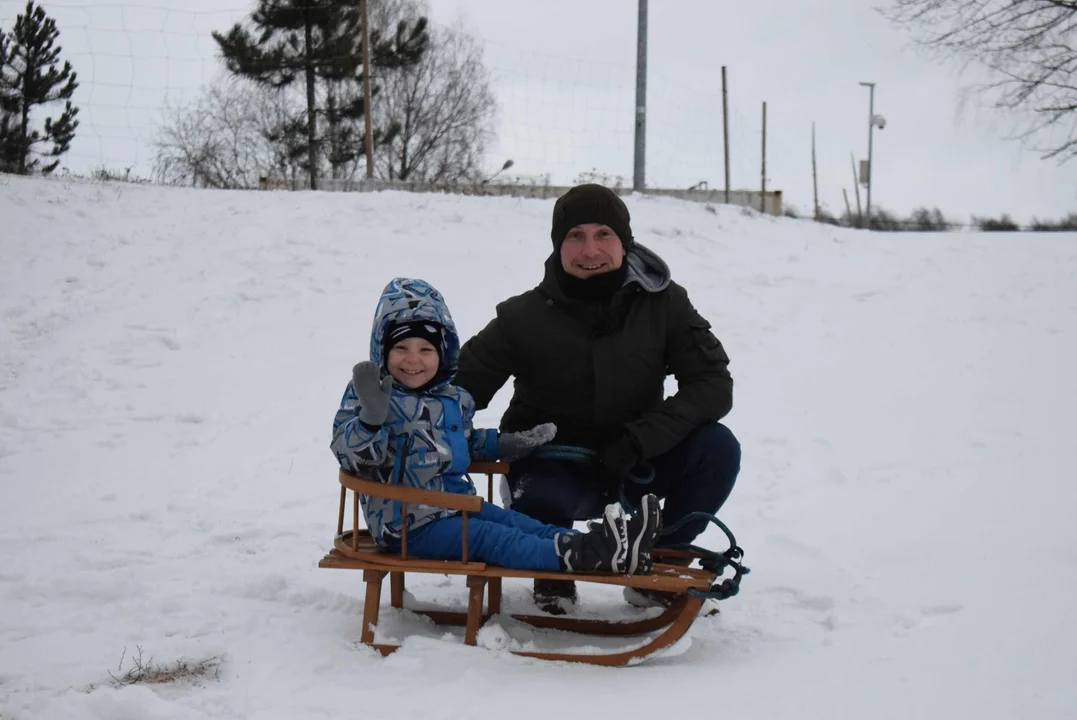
555	597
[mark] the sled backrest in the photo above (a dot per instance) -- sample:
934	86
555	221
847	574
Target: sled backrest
414	496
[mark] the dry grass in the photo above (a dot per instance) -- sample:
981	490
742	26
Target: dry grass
149	673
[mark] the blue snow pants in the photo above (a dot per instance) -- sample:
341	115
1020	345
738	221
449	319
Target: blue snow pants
697	475
495	535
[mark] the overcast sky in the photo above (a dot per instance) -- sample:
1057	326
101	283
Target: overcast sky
564	74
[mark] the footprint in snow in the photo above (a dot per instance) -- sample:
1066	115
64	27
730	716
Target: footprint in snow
818	603
937	610
168	342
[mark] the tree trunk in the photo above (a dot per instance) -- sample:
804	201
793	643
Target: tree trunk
312	128
333	130
405	171
24	137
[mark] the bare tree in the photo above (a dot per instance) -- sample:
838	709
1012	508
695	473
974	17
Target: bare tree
234	133
1026	45
440	112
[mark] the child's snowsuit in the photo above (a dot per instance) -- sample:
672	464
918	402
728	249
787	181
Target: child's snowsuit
427	442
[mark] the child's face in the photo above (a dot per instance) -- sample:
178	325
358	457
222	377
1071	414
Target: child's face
413	362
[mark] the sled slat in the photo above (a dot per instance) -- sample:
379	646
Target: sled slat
402	493
463	519
662	577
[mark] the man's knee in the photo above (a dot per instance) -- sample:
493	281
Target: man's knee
540	495
716	446
713	464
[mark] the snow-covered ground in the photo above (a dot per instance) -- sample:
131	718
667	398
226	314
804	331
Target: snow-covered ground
170	361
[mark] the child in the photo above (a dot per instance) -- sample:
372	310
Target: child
402	421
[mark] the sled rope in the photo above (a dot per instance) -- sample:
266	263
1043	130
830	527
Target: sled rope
710	560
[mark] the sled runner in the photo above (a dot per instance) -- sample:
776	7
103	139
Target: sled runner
672	572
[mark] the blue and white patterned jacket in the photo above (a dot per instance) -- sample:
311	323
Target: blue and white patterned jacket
428	440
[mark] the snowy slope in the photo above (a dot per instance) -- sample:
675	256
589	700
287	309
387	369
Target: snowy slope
170	361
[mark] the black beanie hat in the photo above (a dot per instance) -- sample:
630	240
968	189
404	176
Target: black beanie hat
429	331
591	203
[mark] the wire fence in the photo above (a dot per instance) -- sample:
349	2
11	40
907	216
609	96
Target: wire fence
558	117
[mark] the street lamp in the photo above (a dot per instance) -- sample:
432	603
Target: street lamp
874	121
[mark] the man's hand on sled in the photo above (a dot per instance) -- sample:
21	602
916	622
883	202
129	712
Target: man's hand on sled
615	460
515	445
373	391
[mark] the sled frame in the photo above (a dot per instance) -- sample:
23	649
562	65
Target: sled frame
354	549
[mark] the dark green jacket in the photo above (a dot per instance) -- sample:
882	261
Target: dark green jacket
596	369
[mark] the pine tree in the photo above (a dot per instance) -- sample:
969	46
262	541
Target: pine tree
314	39
29	76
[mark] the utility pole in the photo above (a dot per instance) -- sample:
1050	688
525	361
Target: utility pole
814	175
725	132
871	126
638	182
367	106
763	191
856	187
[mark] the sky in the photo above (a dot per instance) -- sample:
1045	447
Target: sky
564	75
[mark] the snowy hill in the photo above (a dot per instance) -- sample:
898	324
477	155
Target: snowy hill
170	361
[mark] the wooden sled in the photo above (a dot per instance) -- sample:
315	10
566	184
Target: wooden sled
354	549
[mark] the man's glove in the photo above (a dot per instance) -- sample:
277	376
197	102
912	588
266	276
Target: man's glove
615	460
515	445
373	392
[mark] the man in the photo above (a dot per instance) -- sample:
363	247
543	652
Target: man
590	348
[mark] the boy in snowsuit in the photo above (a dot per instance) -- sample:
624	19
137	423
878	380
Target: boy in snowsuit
402	421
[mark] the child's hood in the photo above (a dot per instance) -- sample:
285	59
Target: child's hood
407	299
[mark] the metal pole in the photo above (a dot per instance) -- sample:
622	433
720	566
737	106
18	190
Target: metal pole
871	159
814	175
763	192
367	105
856	188
725	132
871	163
638	182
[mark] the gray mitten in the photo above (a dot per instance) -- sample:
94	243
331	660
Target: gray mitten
515	445
373	392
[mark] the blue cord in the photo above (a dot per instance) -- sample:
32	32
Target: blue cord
714	561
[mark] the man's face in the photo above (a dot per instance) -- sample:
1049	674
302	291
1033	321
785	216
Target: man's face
591	249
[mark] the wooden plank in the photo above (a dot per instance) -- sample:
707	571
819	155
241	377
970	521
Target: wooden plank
373	579
482	467
396	589
676	629
401	493
463	552
355	521
373	558
494	599
589	626
343	506
475	585
662	577
672	634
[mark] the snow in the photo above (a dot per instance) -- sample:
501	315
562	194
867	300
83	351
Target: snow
170	361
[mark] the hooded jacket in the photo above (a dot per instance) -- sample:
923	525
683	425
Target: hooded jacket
428	441
597	369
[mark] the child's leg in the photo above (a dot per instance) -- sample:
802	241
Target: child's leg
526	523
487	541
